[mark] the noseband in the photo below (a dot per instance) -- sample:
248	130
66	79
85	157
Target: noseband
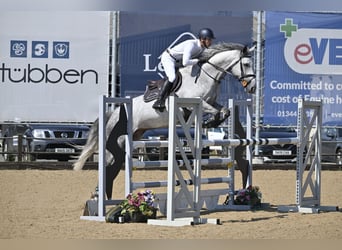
243	76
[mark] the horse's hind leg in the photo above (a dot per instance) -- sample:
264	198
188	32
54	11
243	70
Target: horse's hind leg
112	171
116	150
89	148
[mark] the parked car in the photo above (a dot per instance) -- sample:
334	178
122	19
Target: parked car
45	141
155	153
278	153
332	142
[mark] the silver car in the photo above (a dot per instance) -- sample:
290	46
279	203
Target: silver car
332	142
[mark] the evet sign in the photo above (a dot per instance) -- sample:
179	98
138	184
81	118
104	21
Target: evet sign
314	51
303	59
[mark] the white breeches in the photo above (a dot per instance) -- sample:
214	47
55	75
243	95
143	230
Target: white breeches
169	66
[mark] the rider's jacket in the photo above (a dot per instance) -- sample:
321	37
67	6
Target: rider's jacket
186	52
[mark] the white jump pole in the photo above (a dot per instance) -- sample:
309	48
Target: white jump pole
102	201
308	188
189	215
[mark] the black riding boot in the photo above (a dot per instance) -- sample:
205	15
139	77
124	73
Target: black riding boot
160	102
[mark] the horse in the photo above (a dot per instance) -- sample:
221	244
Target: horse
200	80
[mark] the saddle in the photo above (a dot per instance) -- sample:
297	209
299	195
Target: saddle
153	87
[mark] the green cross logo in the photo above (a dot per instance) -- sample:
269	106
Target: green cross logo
288	27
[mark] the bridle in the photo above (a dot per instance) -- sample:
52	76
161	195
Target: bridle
241	79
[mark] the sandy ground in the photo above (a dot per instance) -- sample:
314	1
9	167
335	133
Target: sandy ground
47	204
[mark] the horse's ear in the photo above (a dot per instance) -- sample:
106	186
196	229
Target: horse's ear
245	50
251	49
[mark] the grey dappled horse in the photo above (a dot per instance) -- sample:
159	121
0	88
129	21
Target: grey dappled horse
197	81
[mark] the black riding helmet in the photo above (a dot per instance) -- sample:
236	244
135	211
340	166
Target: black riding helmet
206	33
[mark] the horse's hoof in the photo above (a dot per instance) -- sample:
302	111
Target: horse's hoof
212	123
209	123
161	109
224	113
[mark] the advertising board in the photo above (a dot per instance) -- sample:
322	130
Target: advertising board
53	65
303	59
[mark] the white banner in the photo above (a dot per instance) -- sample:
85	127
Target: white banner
53	65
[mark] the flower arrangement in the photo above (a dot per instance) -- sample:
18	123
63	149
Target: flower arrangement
248	196
140	203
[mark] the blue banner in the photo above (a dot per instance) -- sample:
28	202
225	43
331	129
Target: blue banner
303	59
144	36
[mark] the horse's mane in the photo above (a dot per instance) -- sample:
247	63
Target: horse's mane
219	47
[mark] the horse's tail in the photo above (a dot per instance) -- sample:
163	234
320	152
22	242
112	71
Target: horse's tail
91	145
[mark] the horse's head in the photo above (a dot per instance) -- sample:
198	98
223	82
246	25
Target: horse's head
235	59
244	71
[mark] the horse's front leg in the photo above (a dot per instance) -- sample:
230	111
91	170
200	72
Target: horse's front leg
218	114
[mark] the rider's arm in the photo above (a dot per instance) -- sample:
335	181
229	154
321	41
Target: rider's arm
187	54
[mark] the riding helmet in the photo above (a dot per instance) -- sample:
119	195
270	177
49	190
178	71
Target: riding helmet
206	33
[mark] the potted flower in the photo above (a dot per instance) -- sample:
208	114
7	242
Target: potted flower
139	207
249	196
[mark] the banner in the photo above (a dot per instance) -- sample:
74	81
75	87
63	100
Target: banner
303	59
53	65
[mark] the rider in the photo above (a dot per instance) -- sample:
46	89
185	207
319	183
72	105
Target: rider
181	55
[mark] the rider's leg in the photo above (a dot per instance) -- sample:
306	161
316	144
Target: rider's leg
170	71
165	91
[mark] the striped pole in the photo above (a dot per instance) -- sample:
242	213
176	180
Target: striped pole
224	142
245	142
